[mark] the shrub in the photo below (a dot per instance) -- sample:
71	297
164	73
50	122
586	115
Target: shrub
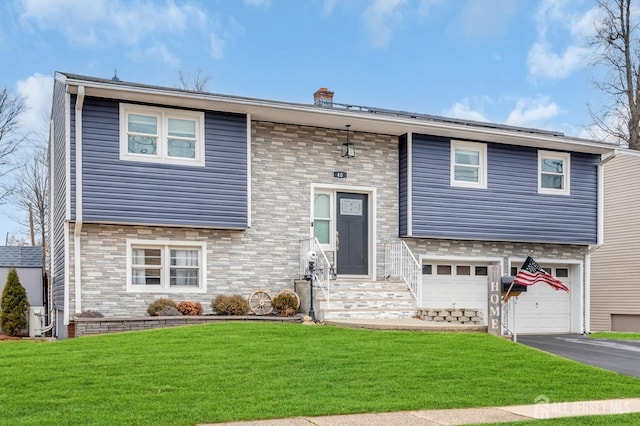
156	306
189	308
14	305
169	311
89	314
285	304
230	305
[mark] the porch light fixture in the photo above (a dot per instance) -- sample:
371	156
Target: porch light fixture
348	150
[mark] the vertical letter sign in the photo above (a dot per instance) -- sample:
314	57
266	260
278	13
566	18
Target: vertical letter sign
494	324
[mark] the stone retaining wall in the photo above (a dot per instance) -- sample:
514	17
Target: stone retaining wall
92	326
451	315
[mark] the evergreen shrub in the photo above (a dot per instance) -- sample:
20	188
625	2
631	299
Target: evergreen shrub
14	305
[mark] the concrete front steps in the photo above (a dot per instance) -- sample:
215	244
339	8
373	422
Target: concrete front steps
351	298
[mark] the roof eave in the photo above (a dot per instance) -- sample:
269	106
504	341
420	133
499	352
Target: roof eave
309	115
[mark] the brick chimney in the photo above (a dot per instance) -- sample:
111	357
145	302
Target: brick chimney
323	97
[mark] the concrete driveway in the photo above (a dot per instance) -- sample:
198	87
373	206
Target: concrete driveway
622	356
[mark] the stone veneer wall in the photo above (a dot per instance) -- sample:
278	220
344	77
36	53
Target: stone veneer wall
285	161
494	249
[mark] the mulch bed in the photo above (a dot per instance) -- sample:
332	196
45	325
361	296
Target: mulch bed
5	337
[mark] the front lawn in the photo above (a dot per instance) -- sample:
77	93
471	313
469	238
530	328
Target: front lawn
238	371
614	335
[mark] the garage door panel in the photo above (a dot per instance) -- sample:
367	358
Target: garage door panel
459	291
543	309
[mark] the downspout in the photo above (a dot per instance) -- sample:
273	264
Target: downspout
586	321
48	248
78	225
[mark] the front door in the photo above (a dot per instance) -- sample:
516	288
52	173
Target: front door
352	238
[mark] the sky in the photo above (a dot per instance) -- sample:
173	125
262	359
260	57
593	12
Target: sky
524	63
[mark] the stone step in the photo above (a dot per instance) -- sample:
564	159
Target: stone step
362	294
366	299
334	314
377	285
377	304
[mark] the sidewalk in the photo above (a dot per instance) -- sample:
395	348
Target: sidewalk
463	416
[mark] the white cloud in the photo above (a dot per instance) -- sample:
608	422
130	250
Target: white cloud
561	45
105	23
36	91
485	18
160	50
380	19
543	62
533	112
464	111
425	6
328	6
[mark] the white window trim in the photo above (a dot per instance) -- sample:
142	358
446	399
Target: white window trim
566	158
332	219
167	245
163	115
482	173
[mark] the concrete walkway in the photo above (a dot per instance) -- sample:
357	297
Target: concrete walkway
405	324
464	416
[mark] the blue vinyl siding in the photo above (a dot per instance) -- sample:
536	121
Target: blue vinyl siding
59	194
510	209
138	192
403	183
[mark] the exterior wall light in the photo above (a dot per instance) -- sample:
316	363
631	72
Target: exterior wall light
348	150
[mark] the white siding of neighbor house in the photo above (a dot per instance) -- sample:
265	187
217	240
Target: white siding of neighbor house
615	281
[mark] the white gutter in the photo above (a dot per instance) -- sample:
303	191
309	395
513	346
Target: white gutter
591	249
77	268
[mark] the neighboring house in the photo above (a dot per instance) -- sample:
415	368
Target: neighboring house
27	262
615	286
160	192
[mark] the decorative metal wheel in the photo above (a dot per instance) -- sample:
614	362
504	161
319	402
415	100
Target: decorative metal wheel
294	294
260	302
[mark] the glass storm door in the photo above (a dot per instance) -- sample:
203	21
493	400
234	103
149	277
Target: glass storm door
352	234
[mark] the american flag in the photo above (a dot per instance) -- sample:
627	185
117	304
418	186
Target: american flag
532	273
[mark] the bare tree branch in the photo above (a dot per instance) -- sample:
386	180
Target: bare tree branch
618	50
196	82
10	110
32	189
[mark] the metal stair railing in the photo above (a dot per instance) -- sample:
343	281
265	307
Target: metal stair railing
508	318
401	263
323	269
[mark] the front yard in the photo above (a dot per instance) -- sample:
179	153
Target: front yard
236	371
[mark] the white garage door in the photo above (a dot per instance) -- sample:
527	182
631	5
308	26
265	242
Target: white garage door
455	285
542	309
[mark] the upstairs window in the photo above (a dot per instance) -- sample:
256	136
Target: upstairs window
468	164
161	135
553	172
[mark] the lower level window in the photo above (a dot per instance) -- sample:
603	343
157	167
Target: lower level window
173	266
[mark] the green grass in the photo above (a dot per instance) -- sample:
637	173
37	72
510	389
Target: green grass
609	420
240	371
614	335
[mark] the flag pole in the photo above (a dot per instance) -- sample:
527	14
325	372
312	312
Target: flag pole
505	298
